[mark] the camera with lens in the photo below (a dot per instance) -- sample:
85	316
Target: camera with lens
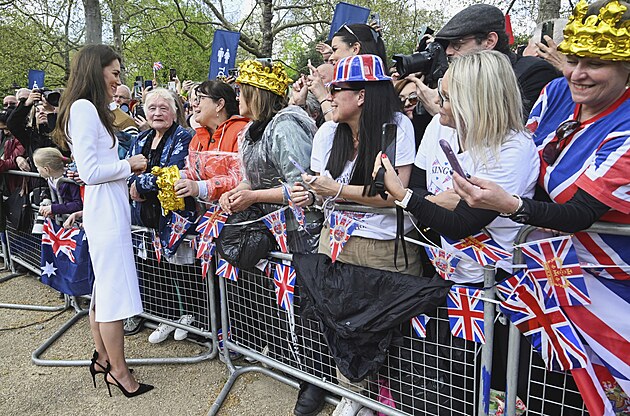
52	97
38	226
430	60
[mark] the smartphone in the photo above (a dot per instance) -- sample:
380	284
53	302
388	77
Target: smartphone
297	165
148	84
452	159
137	89
388	141
547	29
172	86
233	72
375	18
172	74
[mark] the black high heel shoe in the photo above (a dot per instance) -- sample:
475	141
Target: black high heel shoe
94	371
141	390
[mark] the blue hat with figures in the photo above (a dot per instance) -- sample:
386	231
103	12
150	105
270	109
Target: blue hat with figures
360	68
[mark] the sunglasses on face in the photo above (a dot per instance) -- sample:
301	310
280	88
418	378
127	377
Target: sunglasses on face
552	150
412	98
333	89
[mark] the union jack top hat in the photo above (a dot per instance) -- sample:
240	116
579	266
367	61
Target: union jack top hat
360	68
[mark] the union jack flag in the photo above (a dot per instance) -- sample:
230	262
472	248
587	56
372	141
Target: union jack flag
465	313
284	280
61	240
179	226
211	223
419	325
507	286
226	270
204	241
555	265
157	66
298	212
264	266
206	258
481	248
157	246
276	223
541	320
341	228
443	261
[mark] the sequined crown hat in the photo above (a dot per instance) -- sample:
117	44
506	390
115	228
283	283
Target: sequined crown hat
360	68
258	75
597	36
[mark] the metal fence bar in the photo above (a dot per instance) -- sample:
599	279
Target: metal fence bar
540	386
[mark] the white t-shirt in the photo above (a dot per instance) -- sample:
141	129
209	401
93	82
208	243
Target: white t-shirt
516	171
377	226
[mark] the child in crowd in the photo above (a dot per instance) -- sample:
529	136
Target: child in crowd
51	165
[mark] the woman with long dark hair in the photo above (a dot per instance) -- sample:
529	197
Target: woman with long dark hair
85	123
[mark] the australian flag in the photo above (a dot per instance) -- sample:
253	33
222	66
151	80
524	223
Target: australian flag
481	248
541	320
65	260
284	281
465	313
555	265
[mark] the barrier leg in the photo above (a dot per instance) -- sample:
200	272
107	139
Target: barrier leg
486	352
511	381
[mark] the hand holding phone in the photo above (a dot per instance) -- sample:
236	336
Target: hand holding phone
452	159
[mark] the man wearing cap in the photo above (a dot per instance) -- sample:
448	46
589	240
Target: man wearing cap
482	26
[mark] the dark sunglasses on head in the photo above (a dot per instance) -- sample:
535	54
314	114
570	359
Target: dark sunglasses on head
375	34
552	150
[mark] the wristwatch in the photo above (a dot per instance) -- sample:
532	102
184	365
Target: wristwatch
405	200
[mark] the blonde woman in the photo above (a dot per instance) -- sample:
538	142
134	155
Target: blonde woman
481	118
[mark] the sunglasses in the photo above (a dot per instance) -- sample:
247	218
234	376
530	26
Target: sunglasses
333	89
443	98
552	150
412	98
374	33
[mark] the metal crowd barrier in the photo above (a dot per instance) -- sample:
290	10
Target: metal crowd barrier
160	287
548	392
437	375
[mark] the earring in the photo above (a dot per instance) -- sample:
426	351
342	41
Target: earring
217	114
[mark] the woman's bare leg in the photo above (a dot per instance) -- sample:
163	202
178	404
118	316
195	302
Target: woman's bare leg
113	337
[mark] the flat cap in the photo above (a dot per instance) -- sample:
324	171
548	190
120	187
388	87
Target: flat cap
478	18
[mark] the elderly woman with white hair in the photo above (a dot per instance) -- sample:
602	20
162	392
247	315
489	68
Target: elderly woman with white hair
164	144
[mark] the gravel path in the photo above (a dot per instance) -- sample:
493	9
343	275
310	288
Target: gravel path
186	389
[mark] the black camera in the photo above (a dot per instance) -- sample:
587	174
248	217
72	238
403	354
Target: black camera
52	97
431	61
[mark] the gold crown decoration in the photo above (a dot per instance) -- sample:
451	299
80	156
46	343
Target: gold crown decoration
256	74
166	178
602	36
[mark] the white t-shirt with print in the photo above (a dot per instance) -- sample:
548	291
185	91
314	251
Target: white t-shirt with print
377	226
516	171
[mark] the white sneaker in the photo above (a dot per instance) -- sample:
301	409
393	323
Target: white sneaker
366	411
160	333
347	407
181	334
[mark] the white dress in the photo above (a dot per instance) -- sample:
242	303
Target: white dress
106	215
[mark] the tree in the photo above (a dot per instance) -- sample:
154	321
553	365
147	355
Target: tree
93	21
548	9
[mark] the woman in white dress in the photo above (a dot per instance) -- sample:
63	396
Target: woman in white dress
85	124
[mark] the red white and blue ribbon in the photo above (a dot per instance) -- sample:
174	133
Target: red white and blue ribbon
419	325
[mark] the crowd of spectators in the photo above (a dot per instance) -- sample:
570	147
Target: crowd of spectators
541	136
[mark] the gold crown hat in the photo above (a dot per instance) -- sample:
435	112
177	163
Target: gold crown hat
602	36
274	78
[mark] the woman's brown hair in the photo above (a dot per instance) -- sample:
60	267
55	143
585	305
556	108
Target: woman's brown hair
86	82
